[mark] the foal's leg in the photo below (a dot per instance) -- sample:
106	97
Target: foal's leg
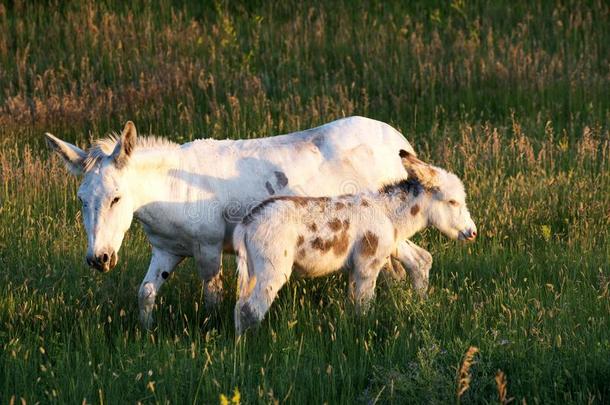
393	270
267	277
208	258
161	265
418	262
362	282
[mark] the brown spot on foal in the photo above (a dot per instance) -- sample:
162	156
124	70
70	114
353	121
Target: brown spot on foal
312	227
339	205
300	240
321	245
414	209
340	243
335	224
368	244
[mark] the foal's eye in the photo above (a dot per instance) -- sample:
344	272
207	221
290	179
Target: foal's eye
116	200
453	203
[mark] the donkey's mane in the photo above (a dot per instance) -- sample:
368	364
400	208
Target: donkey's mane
103	147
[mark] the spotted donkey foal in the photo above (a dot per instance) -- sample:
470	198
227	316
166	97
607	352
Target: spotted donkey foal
359	232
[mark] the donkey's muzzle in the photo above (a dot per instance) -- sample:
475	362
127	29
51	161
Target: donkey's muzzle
104	261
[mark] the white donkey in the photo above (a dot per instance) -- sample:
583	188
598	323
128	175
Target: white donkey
359	232
190	197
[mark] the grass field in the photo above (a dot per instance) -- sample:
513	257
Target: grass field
512	96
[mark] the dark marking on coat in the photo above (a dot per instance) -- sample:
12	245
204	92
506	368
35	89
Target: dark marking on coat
280	179
368	244
395	233
414	210
365	203
269	188
340	243
412	185
312	227
339	205
254	212
321	245
301	254
300	240
165	275
299	201
346	224
335	224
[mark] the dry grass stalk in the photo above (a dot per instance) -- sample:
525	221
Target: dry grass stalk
501	384
464	378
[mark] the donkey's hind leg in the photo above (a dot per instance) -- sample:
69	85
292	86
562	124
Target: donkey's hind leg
267	277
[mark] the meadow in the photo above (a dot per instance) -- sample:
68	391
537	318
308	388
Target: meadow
512	96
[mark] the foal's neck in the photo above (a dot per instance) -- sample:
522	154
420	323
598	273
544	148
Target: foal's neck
406	205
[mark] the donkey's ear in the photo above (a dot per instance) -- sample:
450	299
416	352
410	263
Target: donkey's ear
425	173
72	155
125	146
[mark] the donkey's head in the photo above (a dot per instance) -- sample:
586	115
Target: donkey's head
107	204
447	211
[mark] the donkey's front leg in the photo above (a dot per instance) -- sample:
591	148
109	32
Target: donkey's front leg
418	262
208	260
161	265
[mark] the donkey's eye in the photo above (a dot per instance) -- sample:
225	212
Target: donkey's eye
116	200
453	203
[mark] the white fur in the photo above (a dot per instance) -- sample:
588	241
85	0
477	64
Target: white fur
190	197
358	232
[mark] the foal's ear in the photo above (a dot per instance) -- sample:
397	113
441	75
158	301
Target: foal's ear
72	155
425	173
122	150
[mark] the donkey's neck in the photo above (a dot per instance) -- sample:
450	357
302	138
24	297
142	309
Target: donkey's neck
149	171
406	205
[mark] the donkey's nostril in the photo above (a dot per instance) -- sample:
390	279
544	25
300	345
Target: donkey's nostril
474	234
105	258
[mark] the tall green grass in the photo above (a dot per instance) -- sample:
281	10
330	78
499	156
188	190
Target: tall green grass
512	97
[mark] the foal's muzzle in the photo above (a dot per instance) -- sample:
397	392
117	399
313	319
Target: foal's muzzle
103	261
468	234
